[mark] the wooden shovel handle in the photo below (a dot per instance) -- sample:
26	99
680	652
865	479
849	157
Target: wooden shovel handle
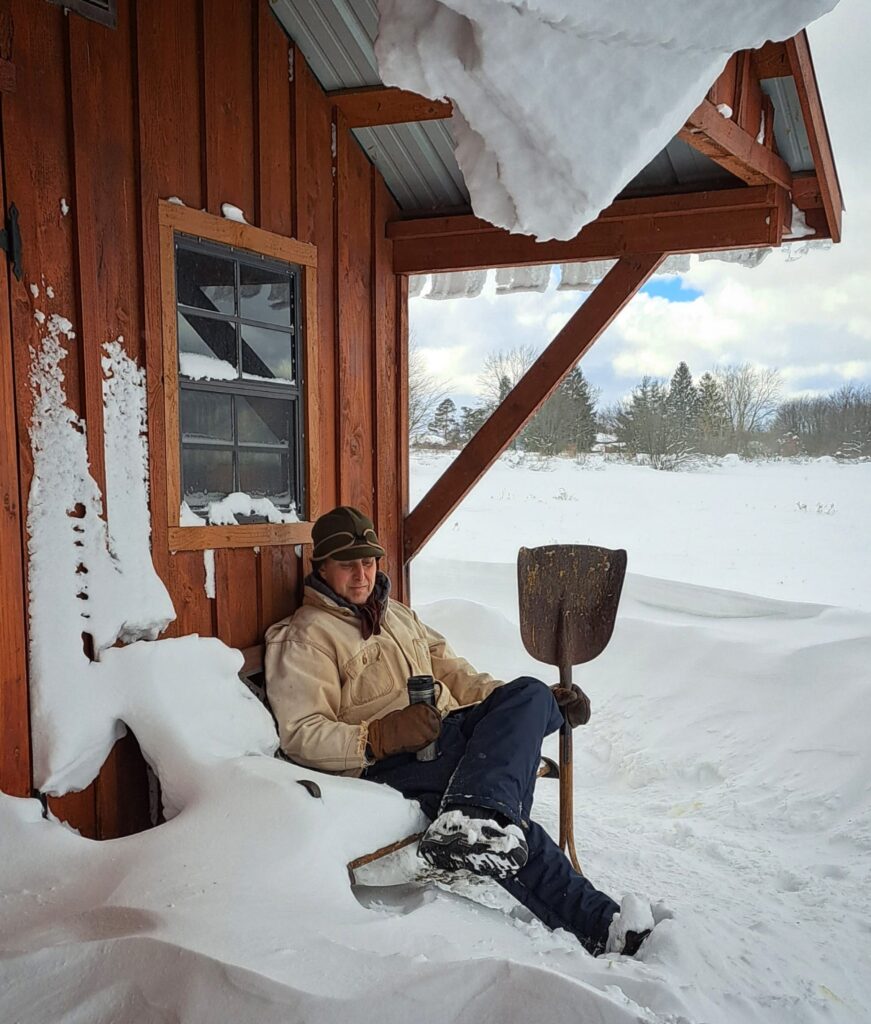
566	797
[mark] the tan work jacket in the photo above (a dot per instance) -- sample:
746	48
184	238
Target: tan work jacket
326	683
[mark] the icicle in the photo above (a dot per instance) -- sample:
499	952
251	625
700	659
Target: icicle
583	277
749	258
522	279
465	284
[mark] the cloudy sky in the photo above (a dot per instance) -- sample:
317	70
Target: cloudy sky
810	318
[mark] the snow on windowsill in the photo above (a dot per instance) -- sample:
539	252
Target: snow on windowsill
224	512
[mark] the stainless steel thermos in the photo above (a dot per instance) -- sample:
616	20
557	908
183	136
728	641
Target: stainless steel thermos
421	690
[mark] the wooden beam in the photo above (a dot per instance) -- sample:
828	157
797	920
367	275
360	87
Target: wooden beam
802	68
696	222
771	61
377	105
721	139
806	192
588	323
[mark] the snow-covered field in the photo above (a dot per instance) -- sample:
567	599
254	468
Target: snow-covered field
797	531
726	769
725	772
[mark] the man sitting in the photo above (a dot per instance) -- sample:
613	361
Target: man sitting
337	673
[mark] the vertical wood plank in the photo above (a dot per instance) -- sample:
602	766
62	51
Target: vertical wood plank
274	115
388	510
106	194
353	289
228	90
37	170
170	149
105	190
279	585
15	773
404	577
313	215
279	567
237	596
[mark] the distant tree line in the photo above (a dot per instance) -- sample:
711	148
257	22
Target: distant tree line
731	409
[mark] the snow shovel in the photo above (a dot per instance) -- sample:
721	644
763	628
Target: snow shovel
568	604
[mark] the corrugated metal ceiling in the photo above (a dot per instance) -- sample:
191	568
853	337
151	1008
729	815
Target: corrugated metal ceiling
417	162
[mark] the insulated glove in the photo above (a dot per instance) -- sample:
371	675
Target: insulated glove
574	703
404	731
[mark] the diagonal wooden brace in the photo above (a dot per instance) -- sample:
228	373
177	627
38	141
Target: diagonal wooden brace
545	374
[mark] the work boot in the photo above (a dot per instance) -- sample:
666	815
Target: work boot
634	941
472	839
630	926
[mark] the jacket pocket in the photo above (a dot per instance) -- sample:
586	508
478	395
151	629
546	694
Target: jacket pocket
366	676
422	658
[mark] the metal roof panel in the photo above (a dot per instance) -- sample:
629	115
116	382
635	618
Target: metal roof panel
417	160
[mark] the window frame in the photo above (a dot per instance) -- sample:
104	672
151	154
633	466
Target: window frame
211	230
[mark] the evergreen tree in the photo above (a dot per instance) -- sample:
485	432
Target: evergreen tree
713	418
471	420
643	424
582	431
683	407
444	423
566	420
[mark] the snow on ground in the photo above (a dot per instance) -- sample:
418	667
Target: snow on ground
792	530
533	160
725	772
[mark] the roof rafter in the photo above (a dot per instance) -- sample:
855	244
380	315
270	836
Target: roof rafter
729	145
697	222
598	311
801	64
379	105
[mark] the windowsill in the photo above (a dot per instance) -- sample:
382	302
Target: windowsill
201	538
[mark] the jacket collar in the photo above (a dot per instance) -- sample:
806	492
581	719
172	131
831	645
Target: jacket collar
320	595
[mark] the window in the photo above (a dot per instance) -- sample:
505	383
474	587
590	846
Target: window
236	353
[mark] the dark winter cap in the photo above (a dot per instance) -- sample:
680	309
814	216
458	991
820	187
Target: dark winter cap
344	533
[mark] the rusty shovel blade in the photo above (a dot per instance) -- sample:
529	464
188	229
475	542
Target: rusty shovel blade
568	601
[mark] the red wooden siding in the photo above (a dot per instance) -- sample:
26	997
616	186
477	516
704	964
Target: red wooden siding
206	100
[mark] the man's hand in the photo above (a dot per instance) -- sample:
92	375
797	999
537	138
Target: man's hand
404	731
575	704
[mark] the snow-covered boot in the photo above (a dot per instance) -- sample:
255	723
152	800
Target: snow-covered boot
470	839
630	926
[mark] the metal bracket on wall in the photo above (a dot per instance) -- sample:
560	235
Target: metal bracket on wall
10	241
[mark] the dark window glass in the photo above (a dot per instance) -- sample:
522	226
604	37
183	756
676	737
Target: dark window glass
265	295
242	431
263	420
207	475
206	348
267	354
205	281
265	475
206	416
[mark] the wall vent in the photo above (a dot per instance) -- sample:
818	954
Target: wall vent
103	11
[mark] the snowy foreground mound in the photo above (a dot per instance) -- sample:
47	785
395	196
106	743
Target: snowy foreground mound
725	771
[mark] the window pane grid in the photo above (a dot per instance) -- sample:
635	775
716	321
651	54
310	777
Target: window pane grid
265	451
245	321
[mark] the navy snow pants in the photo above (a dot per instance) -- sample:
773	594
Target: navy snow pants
489	756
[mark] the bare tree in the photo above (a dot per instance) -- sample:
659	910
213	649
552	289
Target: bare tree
502	370
750	394
425	391
835	424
